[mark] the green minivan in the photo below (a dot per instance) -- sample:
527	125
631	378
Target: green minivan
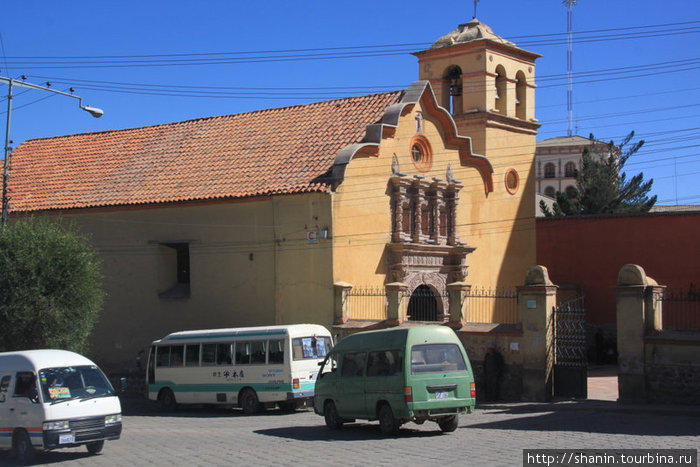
413	373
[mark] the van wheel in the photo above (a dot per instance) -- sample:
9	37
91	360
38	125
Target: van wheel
330	414
448	424
387	422
248	401
95	447
167	401
22	447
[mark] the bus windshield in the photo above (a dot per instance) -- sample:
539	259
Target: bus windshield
310	347
74	382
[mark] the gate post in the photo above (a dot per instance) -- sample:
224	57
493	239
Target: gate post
458	293
396	302
536	303
638	313
341	304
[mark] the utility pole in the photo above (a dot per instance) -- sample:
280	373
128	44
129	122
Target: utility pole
11	82
569	64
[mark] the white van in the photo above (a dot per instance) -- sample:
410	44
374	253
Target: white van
53	399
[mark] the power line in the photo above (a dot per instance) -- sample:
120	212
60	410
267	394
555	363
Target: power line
329	53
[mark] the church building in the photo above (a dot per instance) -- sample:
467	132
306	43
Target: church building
259	218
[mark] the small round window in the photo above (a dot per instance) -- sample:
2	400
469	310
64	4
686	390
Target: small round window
416	153
421	153
512	181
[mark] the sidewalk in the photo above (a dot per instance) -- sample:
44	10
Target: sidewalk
602	383
602	396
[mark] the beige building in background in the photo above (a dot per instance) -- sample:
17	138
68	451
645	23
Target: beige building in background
255	218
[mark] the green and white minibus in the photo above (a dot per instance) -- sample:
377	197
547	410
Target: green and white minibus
252	368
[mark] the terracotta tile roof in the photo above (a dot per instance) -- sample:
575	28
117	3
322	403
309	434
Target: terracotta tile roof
274	151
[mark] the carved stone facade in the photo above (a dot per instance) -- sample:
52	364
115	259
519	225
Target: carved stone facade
424	248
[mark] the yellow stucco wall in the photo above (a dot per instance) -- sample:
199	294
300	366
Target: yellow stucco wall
250	264
500	225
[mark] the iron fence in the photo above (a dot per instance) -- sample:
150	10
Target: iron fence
486	305
681	309
367	303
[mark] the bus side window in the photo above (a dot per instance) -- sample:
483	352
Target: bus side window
223	354
208	354
259	351
384	363
243	352
275	353
163	356
176	355
192	355
353	365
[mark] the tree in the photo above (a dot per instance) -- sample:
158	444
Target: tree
50	286
601	185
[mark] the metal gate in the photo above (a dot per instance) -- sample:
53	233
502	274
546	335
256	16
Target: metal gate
570	362
425	305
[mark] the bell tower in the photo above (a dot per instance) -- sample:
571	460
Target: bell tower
488	85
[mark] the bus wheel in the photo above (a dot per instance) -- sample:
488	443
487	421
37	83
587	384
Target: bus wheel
387	422
248	401
448	424
330	414
95	447
22	447
167	401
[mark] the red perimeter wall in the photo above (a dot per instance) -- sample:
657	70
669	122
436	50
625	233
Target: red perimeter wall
589	252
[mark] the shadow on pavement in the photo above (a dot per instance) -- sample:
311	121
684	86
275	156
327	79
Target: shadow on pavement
142	407
349	432
591	420
46	457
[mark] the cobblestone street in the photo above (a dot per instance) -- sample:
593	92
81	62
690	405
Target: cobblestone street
493	435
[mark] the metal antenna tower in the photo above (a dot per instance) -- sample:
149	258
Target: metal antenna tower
569	64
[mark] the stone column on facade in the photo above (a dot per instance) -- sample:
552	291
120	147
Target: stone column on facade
419	201
398	193
511	85
458	293
536	303
397	302
341	304
636	317
451	215
433	214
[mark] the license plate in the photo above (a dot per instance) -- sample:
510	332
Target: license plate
441	395
66	439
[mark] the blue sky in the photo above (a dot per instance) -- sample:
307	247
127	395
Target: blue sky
152	61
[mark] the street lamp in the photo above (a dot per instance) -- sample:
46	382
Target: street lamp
94	111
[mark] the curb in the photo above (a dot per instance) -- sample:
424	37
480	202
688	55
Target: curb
592	405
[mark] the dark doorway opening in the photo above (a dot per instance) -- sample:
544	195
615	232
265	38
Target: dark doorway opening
423	305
